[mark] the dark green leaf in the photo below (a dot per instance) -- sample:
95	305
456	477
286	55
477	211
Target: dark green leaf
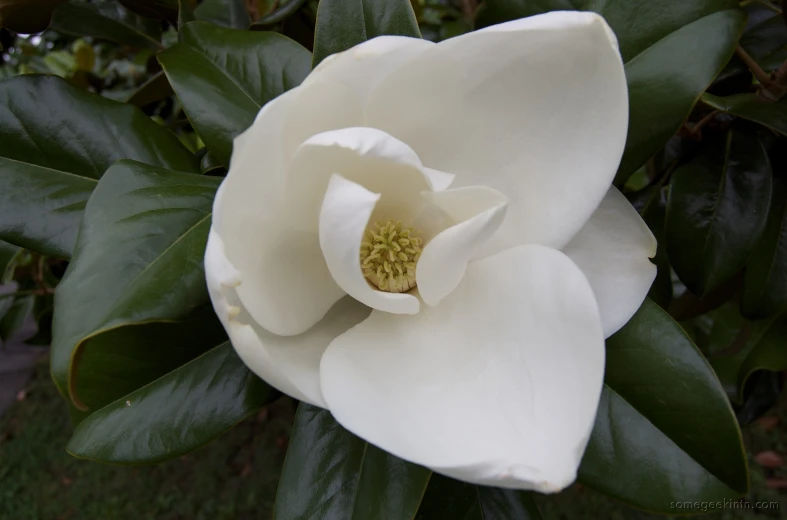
342	24
117	362
153	90
766	41
664	431
227	13
717	209
157	9
56	141
329	473
751	107
224	76
185	13
664	80
109	21
139	258
765	274
448	499
769	353
175	414
27	16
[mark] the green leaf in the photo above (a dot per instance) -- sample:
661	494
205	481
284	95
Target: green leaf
664	431
153	90
27	16
765	274
175	414
342	24
224	76
717	208
751	107
664	80
109	21
448	499
766	42
156	9
329	473
117	362
185	14
56	141
139	258
226	13
654	216
769	353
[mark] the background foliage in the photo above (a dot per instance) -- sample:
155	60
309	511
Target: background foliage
116	126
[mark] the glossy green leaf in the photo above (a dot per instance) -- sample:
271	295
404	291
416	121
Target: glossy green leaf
153	90
56	141
766	41
664	431
226	13
717	209
765	274
448	499
752	107
27	16
156	9
175	414
769	353
224	76
664	80
329	473
342	24
139	258
109	21
117	362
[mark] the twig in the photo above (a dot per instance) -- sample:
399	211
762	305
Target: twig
468	8
754	67
702	122
777	87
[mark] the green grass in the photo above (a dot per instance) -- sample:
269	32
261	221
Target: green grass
234	477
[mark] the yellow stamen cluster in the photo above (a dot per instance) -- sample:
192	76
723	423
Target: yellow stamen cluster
388	256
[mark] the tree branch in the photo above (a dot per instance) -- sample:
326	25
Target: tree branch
753	66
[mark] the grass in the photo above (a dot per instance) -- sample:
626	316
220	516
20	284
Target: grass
236	476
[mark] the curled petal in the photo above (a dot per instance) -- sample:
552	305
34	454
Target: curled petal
498	385
290	364
613	250
344	218
477	212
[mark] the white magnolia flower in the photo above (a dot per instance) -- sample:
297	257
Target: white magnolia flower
422	238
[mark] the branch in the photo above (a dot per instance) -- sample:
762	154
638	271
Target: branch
754	67
777	87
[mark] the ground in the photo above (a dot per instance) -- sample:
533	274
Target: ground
235	477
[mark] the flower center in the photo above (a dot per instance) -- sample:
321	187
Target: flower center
389	253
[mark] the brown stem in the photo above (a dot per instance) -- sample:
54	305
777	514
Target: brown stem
468	8
777	88
754	67
702	122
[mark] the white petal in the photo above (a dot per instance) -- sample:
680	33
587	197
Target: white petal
536	109
290	364
366	156
613	250
497	385
364	66
477	213
285	285
344	218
